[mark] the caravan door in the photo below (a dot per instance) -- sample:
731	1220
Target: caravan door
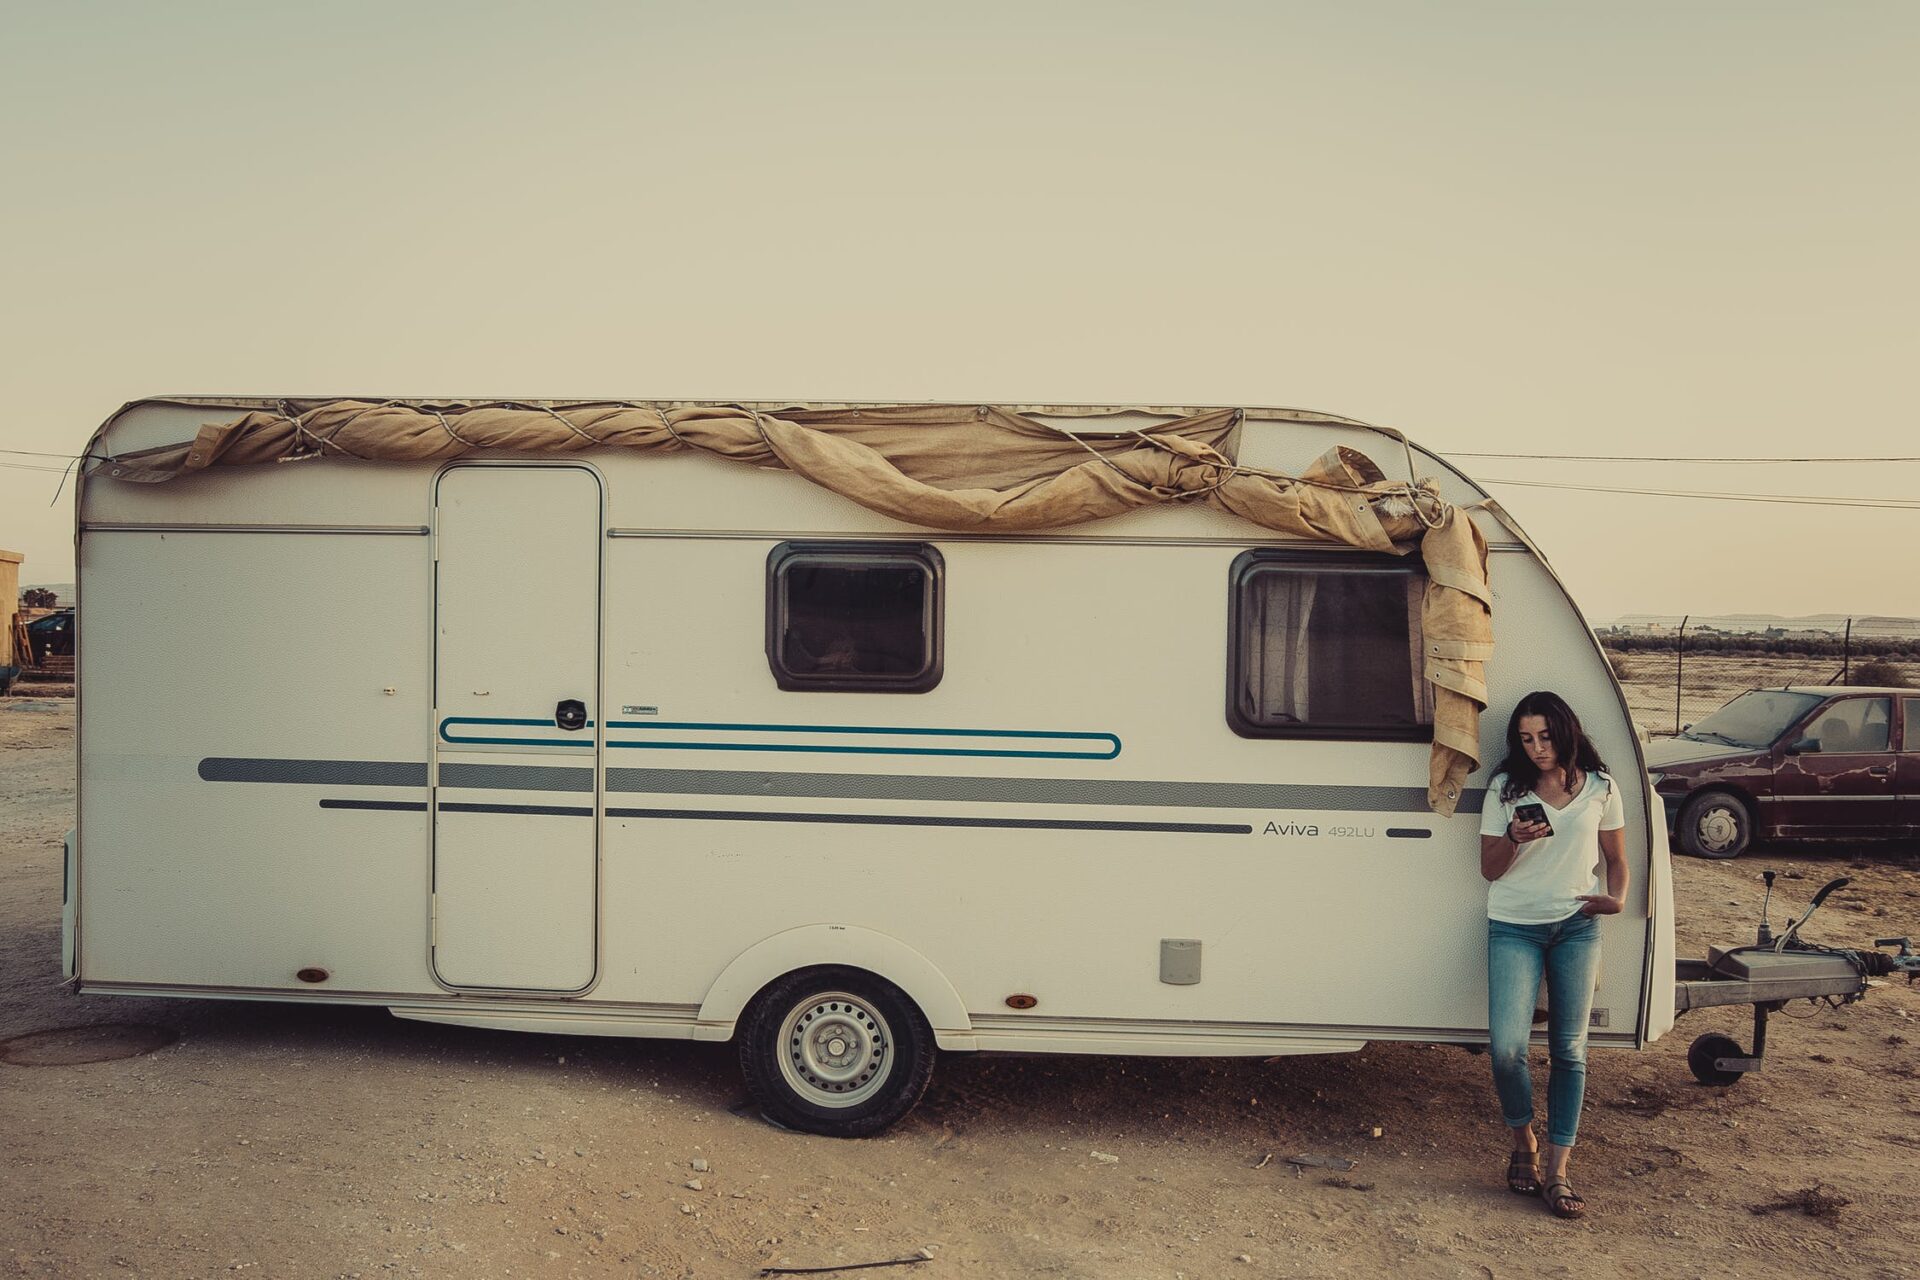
517	728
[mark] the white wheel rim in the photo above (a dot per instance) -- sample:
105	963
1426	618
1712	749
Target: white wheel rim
1717	829
835	1050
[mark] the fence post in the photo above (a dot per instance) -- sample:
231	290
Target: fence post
1679	666
1846	655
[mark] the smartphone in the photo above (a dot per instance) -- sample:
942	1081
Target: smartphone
1534	813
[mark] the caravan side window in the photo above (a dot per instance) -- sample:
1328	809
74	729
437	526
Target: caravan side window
1326	645
855	616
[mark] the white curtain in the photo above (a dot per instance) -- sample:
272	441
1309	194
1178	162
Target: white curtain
1283	608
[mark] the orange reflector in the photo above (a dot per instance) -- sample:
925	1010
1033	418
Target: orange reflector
1021	1001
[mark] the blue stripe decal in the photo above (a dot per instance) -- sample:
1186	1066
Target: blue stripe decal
450	721
1095	746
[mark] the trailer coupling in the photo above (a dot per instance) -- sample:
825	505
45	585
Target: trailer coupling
1768	977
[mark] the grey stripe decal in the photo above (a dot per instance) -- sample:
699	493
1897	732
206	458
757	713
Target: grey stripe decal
912	820
1165	794
418	806
855	819
380	773
338	773
1408	833
543	810
1105	791
517	777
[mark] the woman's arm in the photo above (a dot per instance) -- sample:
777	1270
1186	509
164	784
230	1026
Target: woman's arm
1613	850
1498	853
1496	856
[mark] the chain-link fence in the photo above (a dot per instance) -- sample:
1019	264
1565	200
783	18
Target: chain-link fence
1676	669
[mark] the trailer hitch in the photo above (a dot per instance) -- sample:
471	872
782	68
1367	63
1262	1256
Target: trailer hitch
1770	973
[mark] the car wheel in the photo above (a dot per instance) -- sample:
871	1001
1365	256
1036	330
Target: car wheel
1714	824
835	1051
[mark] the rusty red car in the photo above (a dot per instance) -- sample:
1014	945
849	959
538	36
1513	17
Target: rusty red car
1793	763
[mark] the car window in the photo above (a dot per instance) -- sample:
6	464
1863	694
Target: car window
1852	725
1911	709
1753	719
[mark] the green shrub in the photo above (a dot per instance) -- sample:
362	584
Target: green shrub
1878	671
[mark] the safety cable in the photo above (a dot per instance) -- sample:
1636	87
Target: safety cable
1790	499
1624	457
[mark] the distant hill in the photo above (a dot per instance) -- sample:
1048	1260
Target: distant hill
1755	623
1877	626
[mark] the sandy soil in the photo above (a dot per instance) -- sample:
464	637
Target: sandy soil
303	1141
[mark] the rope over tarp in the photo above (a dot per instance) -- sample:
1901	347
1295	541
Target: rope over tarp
956	468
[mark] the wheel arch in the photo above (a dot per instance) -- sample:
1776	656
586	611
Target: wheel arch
812	945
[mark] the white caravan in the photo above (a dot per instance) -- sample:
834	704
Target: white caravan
669	746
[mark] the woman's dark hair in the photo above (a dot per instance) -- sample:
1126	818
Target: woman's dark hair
1570	746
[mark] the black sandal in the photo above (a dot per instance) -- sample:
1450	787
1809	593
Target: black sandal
1523	1173
1565	1203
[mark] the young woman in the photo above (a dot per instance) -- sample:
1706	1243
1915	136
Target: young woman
1551	815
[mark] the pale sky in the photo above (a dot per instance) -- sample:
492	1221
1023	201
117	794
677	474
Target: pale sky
1617	228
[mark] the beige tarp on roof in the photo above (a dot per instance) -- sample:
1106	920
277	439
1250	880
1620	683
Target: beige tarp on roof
957	468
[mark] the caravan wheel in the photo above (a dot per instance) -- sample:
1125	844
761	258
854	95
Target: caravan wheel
835	1051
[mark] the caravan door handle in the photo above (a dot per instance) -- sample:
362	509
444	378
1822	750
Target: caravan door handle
570	714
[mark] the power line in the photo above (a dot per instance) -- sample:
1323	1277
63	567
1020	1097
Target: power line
1625	457
28	466
35	453
1788	499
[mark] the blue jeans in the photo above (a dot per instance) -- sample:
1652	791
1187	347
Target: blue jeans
1569	953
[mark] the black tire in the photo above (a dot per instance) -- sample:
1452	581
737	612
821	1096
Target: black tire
1702	1052
835	1051
1714	824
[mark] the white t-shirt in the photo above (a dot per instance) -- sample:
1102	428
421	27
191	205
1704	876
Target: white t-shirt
1549	875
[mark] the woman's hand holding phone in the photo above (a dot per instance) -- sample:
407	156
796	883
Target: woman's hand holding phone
1529	823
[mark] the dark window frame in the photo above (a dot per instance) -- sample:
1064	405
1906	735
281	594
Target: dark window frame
1248	566
925	556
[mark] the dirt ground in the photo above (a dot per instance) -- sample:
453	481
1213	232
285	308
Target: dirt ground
275	1140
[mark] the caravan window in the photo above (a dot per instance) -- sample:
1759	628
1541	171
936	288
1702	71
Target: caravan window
854	616
1326	644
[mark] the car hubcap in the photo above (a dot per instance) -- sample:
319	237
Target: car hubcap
835	1050
1718	829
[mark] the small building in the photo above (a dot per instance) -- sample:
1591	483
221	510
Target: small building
10	602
